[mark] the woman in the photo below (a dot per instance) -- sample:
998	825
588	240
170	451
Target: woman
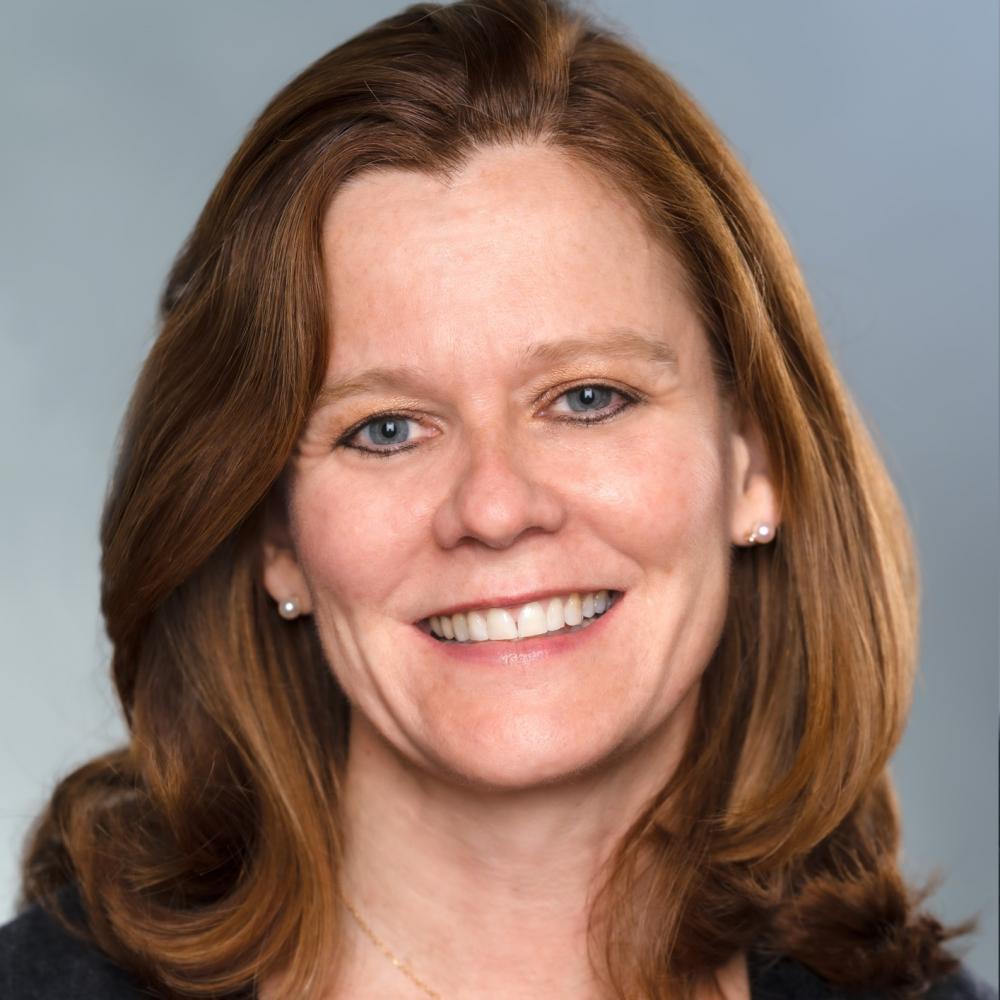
434	688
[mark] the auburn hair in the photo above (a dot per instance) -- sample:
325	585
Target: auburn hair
207	849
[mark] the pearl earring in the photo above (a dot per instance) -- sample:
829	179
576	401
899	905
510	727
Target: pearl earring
761	532
289	608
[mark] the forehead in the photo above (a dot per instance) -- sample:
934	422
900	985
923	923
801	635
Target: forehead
525	242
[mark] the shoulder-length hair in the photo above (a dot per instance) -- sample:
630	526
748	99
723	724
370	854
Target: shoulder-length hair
207	850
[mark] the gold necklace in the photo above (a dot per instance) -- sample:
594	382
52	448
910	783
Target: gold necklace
375	940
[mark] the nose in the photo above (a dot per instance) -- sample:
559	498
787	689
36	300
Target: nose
497	495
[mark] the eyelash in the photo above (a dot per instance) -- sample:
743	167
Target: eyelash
631	399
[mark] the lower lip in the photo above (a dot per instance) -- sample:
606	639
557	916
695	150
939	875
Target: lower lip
515	652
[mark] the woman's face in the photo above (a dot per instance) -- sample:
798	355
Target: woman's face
553	429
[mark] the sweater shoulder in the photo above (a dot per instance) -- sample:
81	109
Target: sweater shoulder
962	984
787	979
40	959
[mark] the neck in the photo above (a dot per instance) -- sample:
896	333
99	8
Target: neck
482	892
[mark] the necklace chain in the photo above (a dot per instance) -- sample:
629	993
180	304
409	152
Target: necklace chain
382	947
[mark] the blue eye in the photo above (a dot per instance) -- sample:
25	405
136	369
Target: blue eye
589	395
382	430
390	429
592	397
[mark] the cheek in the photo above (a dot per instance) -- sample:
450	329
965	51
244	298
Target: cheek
665	494
350	549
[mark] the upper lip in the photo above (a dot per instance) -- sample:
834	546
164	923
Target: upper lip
512	600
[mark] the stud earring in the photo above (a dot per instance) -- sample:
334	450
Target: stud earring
761	532
289	608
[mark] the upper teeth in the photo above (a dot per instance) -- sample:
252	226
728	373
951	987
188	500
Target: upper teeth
533	618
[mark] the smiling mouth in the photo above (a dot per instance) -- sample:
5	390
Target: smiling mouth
465	629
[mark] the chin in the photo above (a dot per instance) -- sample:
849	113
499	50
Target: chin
522	754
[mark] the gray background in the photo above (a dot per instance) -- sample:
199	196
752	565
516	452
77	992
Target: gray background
870	127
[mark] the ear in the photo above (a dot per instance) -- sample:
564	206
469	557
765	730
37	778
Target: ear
755	496
282	574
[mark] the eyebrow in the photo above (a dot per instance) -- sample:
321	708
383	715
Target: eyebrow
619	342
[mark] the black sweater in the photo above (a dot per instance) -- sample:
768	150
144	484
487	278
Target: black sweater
39	960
